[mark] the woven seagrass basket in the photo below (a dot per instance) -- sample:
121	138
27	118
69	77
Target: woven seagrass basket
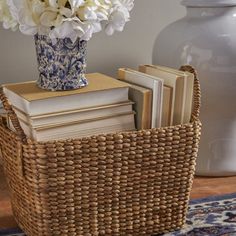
132	183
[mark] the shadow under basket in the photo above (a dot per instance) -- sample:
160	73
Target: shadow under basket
131	183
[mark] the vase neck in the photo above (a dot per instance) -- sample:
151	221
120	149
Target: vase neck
209	12
209	3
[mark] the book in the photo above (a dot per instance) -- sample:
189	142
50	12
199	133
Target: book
150	82
112	124
60	118
142	98
167	106
189	77
180	84
102	90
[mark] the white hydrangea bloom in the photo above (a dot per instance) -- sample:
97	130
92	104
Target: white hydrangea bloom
119	15
128	4
5	16
65	18
76	4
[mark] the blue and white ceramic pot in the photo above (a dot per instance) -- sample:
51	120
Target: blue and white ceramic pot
61	64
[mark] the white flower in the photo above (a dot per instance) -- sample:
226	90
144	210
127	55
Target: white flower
91	28
116	22
6	17
87	14
26	14
53	3
70	28
119	16
49	18
75	4
65	18
128	4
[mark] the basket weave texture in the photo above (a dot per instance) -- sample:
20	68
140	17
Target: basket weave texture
132	183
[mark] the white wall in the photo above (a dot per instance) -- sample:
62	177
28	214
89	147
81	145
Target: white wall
105	54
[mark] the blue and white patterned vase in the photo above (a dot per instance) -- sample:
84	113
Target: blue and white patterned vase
61	64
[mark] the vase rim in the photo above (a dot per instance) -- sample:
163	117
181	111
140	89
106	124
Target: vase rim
208	3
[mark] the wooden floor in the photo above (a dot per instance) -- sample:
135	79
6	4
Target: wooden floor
202	187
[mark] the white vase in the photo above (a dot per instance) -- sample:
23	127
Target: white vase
206	39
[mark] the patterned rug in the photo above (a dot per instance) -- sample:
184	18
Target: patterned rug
213	216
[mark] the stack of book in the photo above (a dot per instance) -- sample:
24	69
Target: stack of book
151	97
163	96
101	107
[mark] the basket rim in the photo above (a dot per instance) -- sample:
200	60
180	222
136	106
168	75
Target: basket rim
20	134
30	141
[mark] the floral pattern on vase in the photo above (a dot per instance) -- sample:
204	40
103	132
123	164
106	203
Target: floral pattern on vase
61	64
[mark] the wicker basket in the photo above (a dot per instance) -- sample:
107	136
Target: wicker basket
132	183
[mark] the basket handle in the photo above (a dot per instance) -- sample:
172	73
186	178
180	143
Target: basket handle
12	115
196	92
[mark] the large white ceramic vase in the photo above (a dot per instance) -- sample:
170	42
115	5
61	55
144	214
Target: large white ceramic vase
206	39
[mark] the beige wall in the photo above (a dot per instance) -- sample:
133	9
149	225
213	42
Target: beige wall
105	54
